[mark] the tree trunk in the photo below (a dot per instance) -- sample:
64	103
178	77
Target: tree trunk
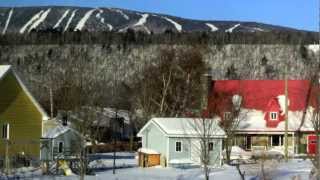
318	156
228	150
206	172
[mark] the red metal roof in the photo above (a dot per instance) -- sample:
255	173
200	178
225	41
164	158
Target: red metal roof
256	94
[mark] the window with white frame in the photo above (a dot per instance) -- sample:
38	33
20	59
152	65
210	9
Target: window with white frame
178	146
273	115
5	131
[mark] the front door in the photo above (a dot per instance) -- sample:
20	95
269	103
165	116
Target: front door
312	144
248	142
195	150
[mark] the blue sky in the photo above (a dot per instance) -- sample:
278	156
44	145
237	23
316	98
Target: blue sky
301	14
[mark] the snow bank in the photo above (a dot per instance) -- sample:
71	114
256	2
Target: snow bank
181	161
239	153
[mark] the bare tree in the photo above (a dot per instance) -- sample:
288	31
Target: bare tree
169	85
81	96
207	138
228	107
315	119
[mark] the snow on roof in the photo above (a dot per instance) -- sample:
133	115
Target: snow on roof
3	70
111	112
56	131
253	120
184	127
147	151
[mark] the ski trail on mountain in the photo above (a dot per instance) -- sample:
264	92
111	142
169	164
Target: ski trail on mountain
38	21
122	13
258	29
230	30
98	16
34	17
142	20
110	27
176	25
70	19
61	19
83	20
7	22
212	27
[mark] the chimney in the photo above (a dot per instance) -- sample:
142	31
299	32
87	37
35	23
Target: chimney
206	85
65	119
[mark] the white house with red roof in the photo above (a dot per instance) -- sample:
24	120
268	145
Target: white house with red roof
262	115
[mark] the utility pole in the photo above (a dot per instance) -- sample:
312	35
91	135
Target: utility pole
114	142
51	102
286	113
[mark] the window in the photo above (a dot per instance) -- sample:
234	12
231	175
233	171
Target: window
178	146
277	140
210	146
60	147
227	115
5	131
273	115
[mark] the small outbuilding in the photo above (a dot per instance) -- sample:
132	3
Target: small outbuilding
59	141
148	157
178	141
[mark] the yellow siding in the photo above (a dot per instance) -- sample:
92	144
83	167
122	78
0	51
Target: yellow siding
17	109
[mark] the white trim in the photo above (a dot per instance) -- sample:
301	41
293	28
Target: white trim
175	146
38	106
168	151
221	156
34	101
140	133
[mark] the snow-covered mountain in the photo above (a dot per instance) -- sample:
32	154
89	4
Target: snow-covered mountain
26	19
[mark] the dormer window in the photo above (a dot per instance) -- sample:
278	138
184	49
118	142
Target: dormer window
273	116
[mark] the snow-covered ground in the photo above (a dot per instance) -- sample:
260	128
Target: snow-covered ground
127	168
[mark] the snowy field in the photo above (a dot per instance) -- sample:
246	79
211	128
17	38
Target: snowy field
127	169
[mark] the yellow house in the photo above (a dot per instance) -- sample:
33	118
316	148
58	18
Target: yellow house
21	117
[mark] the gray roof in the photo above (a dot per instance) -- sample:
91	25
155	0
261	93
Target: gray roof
185	127
56	131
